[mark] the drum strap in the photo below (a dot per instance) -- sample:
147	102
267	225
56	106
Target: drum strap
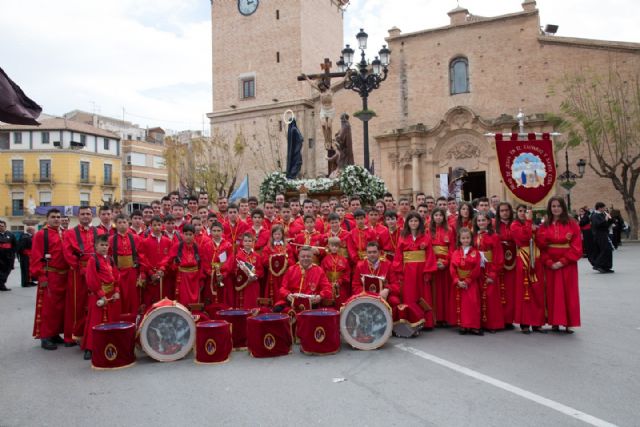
79	239
195	252
97	260
46	243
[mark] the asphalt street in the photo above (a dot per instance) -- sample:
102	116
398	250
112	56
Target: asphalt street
440	378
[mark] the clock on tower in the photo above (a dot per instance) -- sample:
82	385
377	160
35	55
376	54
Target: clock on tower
248	7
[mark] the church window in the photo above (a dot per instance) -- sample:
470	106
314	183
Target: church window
248	88
459	75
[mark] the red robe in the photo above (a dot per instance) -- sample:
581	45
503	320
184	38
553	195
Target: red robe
313	282
389	242
508	274
76	295
50	299
465	308
338	272
563	243
188	270
102	229
128	273
490	246
343	235
292	229
246	296
311	239
274	274
357	243
233	233
153	251
414	274
443	245
102	281
216	269
529	283
261	236
383	269
319	227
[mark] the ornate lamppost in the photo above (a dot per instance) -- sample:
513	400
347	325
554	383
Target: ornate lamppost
364	78
568	178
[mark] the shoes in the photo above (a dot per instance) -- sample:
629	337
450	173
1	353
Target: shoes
47	344
56	339
31	284
568	331
478	332
525	330
491	331
87	355
607	271
4	289
555	328
70	344
462	331
509	326
539	330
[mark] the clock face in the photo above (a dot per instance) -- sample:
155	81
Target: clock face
247	7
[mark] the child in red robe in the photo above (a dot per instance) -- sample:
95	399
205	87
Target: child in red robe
466	277
153	250
488	244
248	272
124	250
184	258
338	271
443	239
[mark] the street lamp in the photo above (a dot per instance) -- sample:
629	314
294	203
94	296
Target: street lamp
363	79
568	178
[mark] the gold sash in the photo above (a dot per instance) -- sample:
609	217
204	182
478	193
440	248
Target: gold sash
559	245
107	287
441	250
463	274
187	269
334	276
414	256
488	255
344	252
55	270
125	261
362	255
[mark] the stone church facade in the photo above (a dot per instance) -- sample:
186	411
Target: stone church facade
429	119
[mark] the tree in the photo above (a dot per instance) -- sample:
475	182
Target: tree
269	147
208	164
603	113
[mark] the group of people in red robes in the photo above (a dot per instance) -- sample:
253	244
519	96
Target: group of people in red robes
476	267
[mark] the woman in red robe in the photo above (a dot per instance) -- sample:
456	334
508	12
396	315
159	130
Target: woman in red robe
185	259
466	278
443	239
561	243
490	248
529	290
276	258
507	277
414	263
465	216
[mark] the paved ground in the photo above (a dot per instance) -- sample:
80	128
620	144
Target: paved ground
440	378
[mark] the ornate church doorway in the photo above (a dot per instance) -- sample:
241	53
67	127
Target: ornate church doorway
475	185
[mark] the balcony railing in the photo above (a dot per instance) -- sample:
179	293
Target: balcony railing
12	179
113	182
43	179
87	180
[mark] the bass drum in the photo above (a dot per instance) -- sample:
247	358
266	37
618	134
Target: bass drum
167	331
366	322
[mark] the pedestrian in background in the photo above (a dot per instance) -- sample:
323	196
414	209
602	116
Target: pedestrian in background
7	254
602	254
24	255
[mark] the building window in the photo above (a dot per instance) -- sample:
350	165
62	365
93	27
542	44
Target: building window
45	137
136	184
45	170
108	174
106	144
277	14
248	88
158	162
459	75
136	159
17	204
107	198
17	170
84	199
45	198
83	139
159	186
84	171
278	57
17	137
129	137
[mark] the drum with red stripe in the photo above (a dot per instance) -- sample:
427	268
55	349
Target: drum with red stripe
269	335
113	345
319	331
238	319
213	341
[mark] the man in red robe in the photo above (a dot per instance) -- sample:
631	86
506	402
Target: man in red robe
79	243
366	272
184	258
304	278
389	239
50	269
124	249
153	250
359	237
234	227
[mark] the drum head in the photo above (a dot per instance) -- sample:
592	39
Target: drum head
366	323
167	333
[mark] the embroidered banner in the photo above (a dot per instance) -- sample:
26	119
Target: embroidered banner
528	167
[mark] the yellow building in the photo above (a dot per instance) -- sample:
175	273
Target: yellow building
59	163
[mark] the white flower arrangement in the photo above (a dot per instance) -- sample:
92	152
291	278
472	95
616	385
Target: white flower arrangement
357	181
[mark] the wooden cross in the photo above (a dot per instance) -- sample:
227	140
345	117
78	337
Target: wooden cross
327	74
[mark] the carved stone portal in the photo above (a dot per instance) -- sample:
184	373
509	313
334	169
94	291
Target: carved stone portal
463	150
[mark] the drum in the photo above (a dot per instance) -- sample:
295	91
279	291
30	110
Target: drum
167	331
269	335
366	322
113	345
319	331
213	342
238	319
409	323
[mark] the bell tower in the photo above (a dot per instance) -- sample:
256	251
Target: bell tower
259	49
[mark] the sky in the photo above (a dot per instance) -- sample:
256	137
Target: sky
149	61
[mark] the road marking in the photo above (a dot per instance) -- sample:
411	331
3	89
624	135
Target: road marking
567	410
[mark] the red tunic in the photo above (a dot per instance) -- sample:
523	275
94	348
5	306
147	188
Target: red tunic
274	272
262	237
50	299
389	242
128	273
76	296
357	243
188	272
465	303
319	227
490	248
102	281
102	229
338	272
529	283
312	239
233	233
563	243
508	274
443	245
218	267
414	262
383	269
152	252
247	296
313	282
